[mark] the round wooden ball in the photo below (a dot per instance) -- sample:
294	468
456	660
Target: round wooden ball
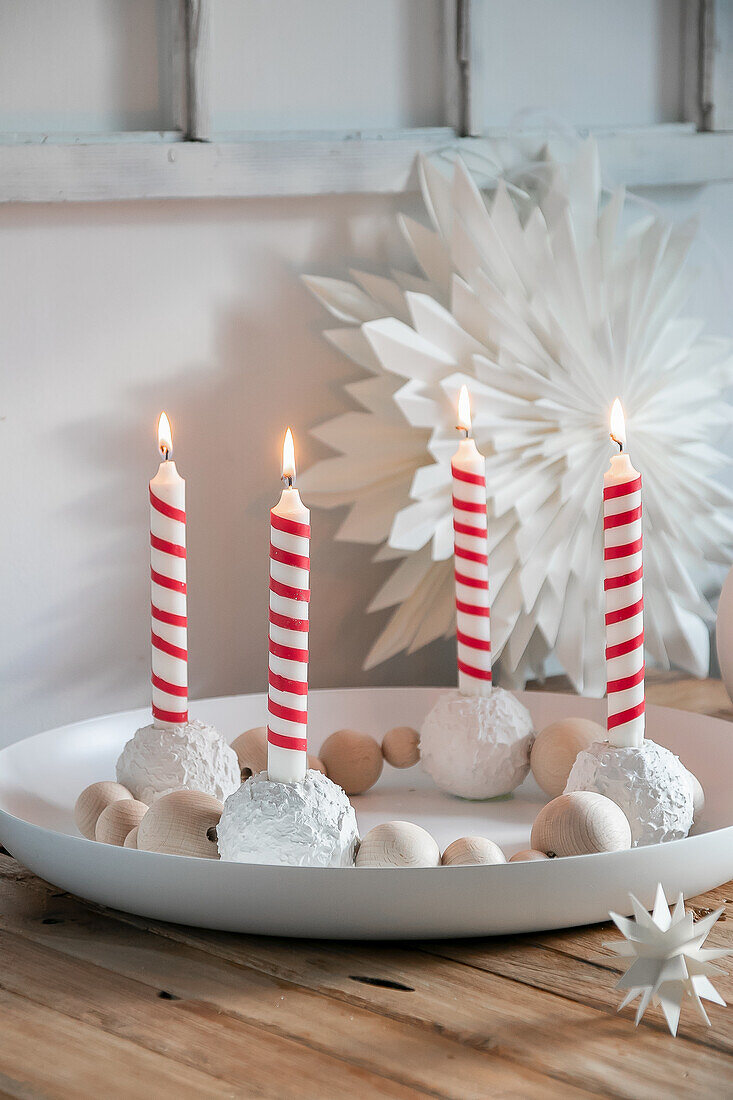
251	750
527	856
353	760
555	749
316	765
578	823
131	839
92	801
182	823
117	819
398	844
472	850
401	747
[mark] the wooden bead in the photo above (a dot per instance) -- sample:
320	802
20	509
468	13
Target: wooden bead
182	823
555	749
526	856
92	801
578	823
316	765
251	750
398	844
471	850
117	819
400	747
131	839
353	760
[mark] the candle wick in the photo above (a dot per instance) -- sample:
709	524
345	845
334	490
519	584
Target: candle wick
288	479
461	428
620	443
165	453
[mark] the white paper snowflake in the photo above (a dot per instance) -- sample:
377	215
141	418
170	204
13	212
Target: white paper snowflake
666	960
547	308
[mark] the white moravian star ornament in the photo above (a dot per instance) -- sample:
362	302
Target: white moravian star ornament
667	963
547	305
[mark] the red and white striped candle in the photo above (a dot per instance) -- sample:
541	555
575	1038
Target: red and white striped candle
287	696
622	544
168	588
470	542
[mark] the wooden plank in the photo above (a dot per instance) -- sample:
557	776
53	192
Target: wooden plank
80	171
719	73
468	124
172	53
73	963
686	693
44	1052
451	78
532	1028
189	1029
575	964
198	65
708	64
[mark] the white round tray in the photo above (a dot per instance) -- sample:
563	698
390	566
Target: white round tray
41	777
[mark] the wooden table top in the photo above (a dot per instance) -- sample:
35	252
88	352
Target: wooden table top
99	1003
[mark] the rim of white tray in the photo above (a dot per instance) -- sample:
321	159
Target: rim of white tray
229	867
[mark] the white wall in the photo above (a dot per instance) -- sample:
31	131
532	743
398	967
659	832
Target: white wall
589	62
80	65
109	313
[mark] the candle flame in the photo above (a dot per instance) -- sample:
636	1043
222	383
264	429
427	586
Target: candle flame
618	426
464	410
288	467
165	436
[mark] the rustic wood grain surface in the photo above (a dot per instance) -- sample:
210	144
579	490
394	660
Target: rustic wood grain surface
102	1004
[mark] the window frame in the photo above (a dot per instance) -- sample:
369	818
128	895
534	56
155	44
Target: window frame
192	162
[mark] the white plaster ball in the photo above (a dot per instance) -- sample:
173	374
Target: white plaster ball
305	824
555	749
648	782
698	796
477	746
398	844
192	756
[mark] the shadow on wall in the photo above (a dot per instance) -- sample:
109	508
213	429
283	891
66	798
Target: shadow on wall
269	366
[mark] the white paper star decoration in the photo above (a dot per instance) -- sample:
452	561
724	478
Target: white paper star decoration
547	304
666	960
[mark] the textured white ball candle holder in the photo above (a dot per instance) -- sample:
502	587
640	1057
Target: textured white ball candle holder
192	756
310	823
477	746
648	782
